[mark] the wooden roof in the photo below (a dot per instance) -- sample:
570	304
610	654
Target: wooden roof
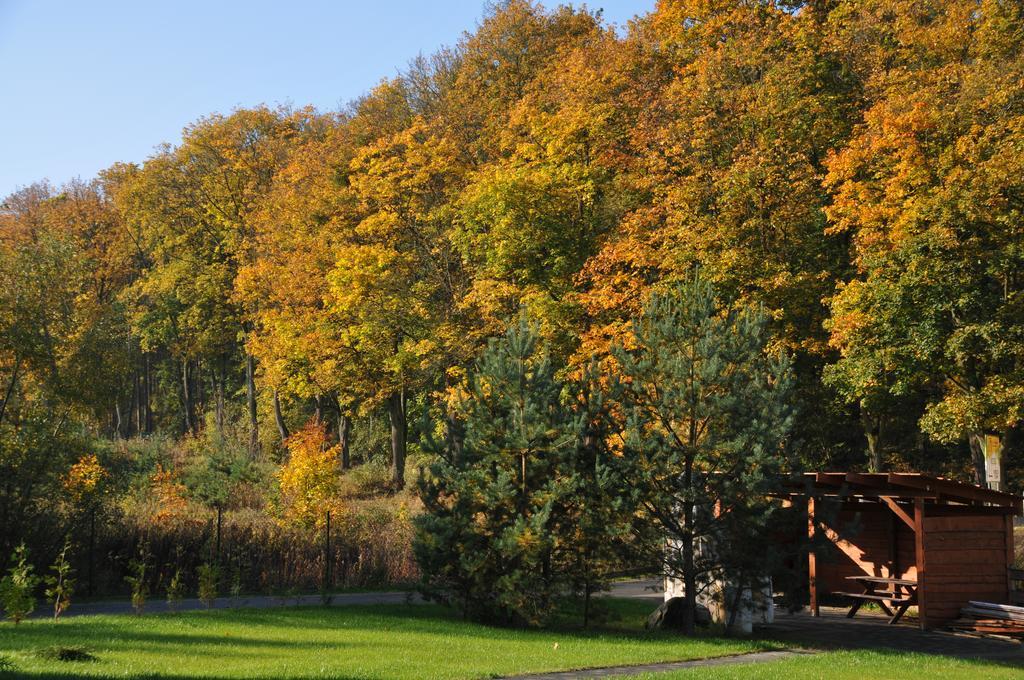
900	486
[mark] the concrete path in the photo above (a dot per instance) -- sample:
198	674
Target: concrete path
619	671
649	589
641	589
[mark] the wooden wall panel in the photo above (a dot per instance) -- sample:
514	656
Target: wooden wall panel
967	559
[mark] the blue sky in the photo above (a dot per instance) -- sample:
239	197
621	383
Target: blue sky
86	83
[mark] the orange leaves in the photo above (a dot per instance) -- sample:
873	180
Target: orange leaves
169	495
84	477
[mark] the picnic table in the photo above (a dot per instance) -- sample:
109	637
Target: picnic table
893	595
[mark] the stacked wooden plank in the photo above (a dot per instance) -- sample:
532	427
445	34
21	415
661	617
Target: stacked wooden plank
989	618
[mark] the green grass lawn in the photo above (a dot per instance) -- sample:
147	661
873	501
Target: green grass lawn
397	641
854	665
420	641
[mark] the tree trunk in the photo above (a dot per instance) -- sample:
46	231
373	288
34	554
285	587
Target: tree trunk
396	414
976	440
146	406
250	393
344	436
873	433
200	393
135	408
218	406
10	388
117	421
186	397
689	567
454	436
978	455
282	429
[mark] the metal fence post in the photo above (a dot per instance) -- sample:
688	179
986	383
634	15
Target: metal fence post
327	552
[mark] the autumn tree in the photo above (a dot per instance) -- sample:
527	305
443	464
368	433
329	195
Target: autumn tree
928	190
48	330
193	206
308	481
727	175
396	284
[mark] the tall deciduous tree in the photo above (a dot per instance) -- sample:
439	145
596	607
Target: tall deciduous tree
194	207
727	174
930	192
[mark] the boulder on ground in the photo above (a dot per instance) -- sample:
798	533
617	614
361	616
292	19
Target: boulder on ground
672	613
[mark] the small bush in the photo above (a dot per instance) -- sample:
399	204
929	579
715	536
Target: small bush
137	578
61	583
17	588
235	589
7	666
369	480
175	590
209	576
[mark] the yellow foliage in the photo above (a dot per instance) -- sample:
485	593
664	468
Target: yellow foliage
169	495
308	481
84	477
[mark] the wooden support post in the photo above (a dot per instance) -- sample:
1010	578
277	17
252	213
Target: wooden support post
1011	555
894	546
92	549
919	552
812	559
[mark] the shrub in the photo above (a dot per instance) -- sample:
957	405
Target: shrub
137	578
209	575
17	588
235	589
308	481
60	582
175	590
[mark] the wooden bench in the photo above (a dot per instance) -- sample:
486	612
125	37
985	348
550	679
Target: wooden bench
902	596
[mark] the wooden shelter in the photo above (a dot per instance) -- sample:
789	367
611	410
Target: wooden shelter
935	543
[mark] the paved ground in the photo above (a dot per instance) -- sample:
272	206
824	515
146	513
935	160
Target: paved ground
613	671
644	589
868	630
832	630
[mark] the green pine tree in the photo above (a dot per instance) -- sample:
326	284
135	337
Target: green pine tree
492	541
596	536
708	409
